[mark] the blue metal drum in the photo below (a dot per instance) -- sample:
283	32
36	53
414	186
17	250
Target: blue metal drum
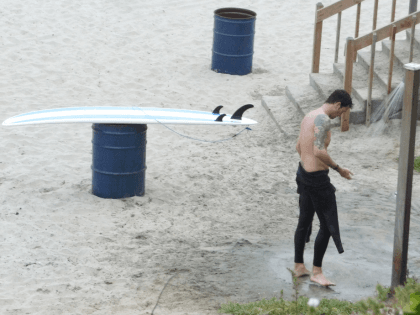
118	160
233	41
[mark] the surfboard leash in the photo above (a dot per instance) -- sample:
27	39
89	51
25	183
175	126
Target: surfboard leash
201	140
188	137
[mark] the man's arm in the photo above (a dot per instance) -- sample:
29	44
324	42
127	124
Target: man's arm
322	126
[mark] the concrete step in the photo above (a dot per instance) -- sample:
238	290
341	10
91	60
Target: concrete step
325	84
416	37
305	99
285	113
302	97
360	85
381	69
401	51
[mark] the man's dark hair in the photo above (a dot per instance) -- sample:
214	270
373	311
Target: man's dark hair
340	96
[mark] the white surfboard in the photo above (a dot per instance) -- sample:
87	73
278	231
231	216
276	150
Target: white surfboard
130	115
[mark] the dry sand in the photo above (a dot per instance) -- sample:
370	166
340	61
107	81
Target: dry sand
65	251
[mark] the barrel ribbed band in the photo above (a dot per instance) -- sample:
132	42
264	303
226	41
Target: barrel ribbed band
119	174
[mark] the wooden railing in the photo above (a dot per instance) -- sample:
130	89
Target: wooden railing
324	13
353	45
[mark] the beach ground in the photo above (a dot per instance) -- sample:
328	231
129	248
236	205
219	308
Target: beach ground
218	217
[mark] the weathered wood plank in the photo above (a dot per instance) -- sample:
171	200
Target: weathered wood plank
316	53
337	37
371	70
348	78
334	8
356	33
384	32
375	15
394	3
391	58
405	176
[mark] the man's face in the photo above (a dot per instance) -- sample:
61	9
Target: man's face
339	111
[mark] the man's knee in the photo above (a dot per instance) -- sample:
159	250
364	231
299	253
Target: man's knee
325	231
302	229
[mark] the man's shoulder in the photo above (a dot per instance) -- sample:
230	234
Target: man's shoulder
322	119
315	118
315	113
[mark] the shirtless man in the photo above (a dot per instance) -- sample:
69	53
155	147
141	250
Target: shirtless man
314	138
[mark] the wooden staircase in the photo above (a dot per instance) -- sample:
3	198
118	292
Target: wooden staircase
321	85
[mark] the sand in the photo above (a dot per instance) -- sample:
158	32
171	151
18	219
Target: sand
66	251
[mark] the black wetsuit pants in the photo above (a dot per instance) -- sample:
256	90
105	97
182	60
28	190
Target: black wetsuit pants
309	203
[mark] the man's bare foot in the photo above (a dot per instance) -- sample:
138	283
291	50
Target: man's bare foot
301	271
318	277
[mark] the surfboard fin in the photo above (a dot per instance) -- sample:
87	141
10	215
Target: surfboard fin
217	110
220	118
238	114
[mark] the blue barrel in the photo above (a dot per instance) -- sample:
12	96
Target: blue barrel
233	41
118	160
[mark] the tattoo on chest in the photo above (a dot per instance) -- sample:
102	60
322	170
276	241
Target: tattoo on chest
322	126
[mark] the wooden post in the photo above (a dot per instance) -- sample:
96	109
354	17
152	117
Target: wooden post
394	2
391	57
384	32
413	6
337	37
371	68
348	77
375	15
316	54
356	34
413	31
405	175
